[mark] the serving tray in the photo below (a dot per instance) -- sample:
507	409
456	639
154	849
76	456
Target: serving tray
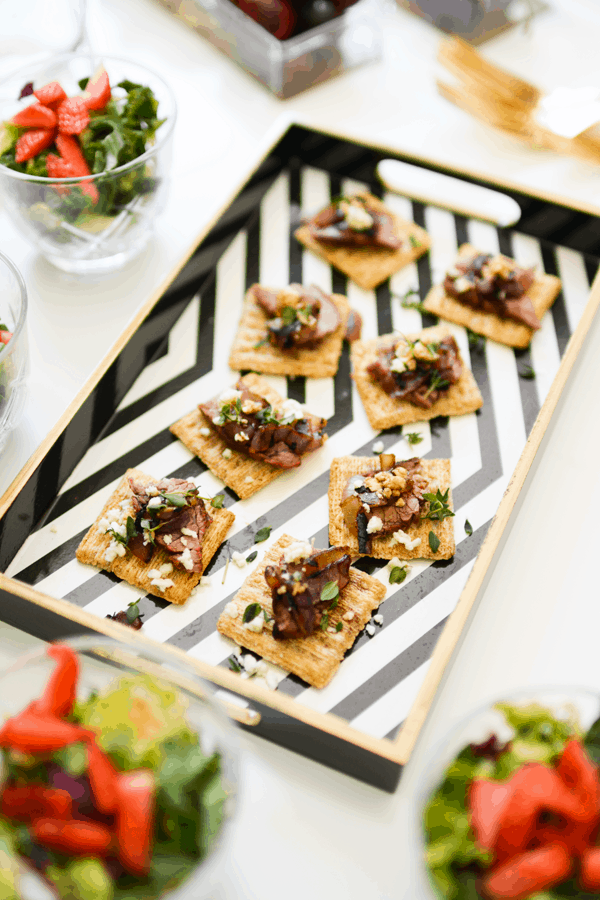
366	720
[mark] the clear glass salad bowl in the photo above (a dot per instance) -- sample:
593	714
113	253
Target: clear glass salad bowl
94	223
104	663
579	706
14	358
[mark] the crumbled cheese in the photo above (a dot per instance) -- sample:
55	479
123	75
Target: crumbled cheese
348	616
374	524
462	285
291	409
205	580
119	528
162	583
113	550
378	619
297	551
167	538
154	502
163	570
146	524
152	490
229	395
331	629
398	364
357	217
394	563
183	541
238	558
186	560
217	420
370	629
226	454
189	532
256	624
250	663
248	479
272	680
53	529
403	538
205	432
241	436
251	406
103	525
231	610
378	447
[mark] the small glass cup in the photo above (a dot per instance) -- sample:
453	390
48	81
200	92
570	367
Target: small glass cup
33	31
569	704
14	358
96	223
102	661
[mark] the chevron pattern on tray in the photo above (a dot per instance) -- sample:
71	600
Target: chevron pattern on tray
380	677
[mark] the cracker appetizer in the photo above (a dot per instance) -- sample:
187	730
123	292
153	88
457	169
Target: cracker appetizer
293	331
302	608
248	435
158	535
494	296
363	238
411	378
387	508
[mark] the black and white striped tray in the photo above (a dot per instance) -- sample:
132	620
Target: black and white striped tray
124	422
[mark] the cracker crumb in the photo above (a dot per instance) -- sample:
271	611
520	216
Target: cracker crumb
370	629
53	529
378	619
231	610
248	479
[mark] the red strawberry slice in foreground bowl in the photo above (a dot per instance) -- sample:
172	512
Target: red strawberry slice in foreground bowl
71	164
97	91
35	116
33	142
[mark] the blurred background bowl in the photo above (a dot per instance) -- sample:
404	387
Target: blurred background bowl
14	358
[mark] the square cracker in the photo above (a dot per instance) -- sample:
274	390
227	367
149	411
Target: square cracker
235	471
320	362
131	569
384	411
543	292
385	547
315	658
369	267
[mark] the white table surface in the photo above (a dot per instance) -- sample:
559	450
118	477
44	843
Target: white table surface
305	830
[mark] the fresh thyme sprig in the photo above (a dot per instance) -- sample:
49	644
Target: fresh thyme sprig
439	507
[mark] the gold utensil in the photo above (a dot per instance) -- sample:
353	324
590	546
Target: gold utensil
505	101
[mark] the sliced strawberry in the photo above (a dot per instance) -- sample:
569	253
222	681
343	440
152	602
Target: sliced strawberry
69	149
73	117
575	836
528	873
590	869
35	116
51	94
97	91
579	774
487	800
58	167
5	337
71	164
32	142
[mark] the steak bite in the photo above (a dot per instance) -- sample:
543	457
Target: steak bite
297	585
493	284
249	424
355	222
386	500
299	316
417	372
173	516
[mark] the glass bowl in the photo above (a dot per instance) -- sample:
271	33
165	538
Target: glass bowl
102	662
97	223
14	360
578	705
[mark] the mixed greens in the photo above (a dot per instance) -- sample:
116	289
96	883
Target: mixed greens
108	798
519	819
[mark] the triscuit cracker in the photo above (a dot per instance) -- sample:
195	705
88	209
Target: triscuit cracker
543	292
241	473
317	657
384	411
366	266
131	569
320	362
386	547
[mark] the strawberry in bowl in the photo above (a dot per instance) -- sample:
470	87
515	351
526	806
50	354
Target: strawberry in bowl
85	159
516	814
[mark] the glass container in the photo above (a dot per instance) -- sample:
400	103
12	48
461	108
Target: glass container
14	360
103	662
91	224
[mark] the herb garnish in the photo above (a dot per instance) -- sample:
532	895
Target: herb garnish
398	574
176	498
434	542
436	383
132	612
234	664
262	534
217	501
527	372
330	591
131	532
252	556
414	241
339	626
476	341
413	437
262	343
406	303
324	622
468	528
438	506
251	612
